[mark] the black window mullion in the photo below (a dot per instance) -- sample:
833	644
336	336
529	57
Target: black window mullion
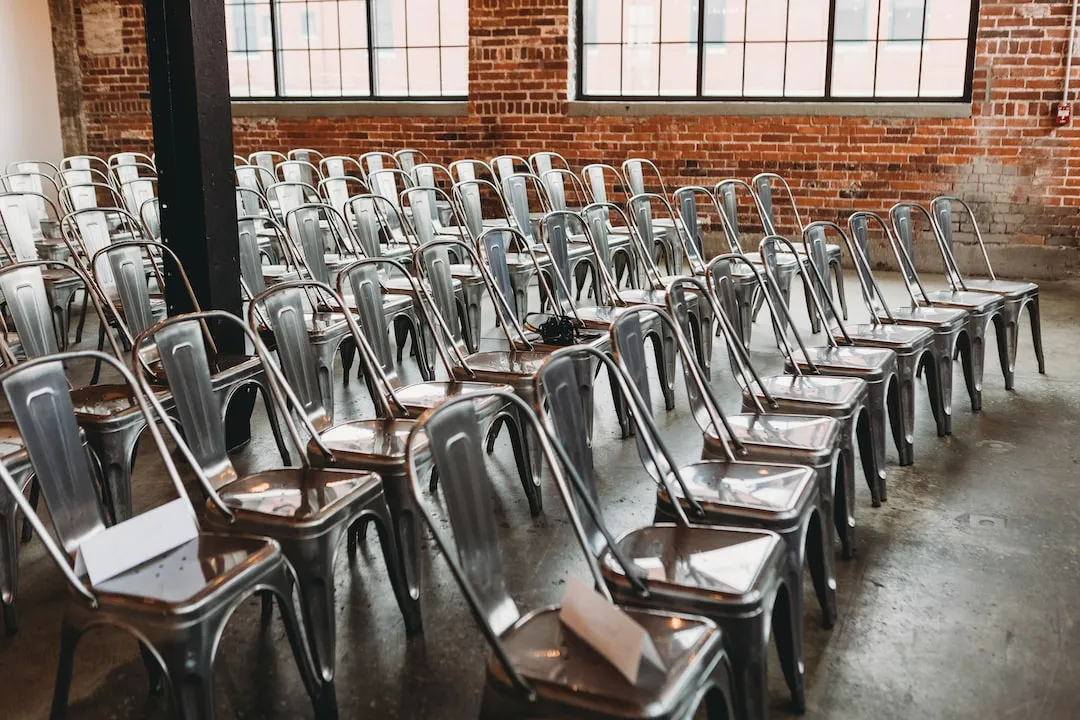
877	45
370	9
830	39
275	47
922	48
701	48
745	43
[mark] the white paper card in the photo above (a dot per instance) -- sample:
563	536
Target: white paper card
131	543
609	631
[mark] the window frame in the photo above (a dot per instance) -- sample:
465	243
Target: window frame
826	98
276	51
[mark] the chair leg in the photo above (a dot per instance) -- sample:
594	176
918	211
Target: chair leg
719	704
902	409
788	632
844	502
819	556
841	294
967	352
9	564
530	481
397	523
35	498
665	353
864	431
1034	317
945	379
313	562
1005	332
189	667
933	391
619	404
97	362
82	316
323	697
347	350
747	641
115	451
275	423
69	641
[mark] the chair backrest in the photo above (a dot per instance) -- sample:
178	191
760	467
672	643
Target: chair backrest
250	261
306	155
470	196
337	190
596	177
942	213
507	165
300	171
21	223
469	169
339	166
770	248
902	216
254	177
545	161
686	200
367	292
290	195
409	158
374	161
555	186
556	228
267	159
304	225
763	187
634	170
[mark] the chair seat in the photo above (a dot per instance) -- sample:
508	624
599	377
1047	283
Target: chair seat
567	672
644	297
1008	288
783	260
376	442
896	337
806	434
429	394
940	319
273	274
106	400
757	491
725	563
295	495
817	395
974	301
870	364
510	362
180	580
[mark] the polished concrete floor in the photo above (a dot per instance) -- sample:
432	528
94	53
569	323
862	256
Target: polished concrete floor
963	600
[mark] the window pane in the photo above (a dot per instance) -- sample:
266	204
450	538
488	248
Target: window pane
354	73
455	71
352	23
389	23
602	65
291	18
725	20
943	67
766	20
901	20
454	22
764	69
856	19
261	73
808	20
391	72
679	21
641	21
723	70
422	28
853	69
424	71
898	69
325	72
948	19
296	73
320	24
238	74
805	69
678	69
641	69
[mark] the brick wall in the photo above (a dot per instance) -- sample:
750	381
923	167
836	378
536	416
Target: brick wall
1023	173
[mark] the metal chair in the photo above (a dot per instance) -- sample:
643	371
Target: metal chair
267	159
665	230
300	171
1017	295
766	514
983	309
809	393
763	188
949	325
307	509
374	161
177	606
913	345
131	308
340	166
409	158
110	421
537	669
875	365
758	435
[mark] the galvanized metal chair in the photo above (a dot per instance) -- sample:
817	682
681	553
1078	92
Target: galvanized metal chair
763	186
983	309
949	325
913	345
736	508
809	393
875	365
537	669
307	509
177	605
1017	295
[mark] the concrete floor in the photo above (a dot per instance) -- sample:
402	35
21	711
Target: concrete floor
961	603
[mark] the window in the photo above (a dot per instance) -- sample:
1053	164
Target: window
843	50
377	49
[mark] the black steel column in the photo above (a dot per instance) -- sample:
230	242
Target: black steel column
190	104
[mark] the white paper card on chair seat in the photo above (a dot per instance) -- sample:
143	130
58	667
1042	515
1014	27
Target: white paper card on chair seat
129	544
609	631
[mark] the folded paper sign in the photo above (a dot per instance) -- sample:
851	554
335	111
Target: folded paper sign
610	632
127	545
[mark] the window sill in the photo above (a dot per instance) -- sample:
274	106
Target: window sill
349	108
651	108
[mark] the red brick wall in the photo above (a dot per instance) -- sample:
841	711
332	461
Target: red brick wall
1009	157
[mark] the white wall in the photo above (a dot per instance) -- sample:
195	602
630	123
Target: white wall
29	113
